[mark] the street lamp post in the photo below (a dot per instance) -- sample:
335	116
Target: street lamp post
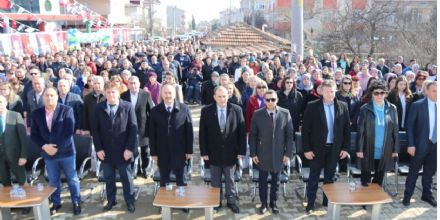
297	32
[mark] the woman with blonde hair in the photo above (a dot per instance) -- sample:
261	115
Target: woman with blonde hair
348	94
402	98
117	80
234	94
255	102
171	80
14	101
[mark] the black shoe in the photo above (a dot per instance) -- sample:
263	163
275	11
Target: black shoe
430	200
25	211
364	184
130	207
76	209
274	208
185	210
234	208
55	208
263	209
109	206
364	207
406	201
217	209
309	209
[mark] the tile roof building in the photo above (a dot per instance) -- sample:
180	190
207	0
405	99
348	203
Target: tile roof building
239	38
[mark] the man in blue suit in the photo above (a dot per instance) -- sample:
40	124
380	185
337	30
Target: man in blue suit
52	130
422	144
115	138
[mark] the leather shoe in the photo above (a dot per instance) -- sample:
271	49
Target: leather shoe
430	200
76	209
217	209
234	208
309	209
55	208
406	201
130	207
109	206
263	208
274	208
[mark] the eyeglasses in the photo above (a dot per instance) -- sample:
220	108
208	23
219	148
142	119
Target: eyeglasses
289	82
346	83
261	87
33	73
379	93
271	100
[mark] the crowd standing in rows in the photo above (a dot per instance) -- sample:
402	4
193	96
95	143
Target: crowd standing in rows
137	95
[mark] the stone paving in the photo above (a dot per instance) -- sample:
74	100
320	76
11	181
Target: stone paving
293	208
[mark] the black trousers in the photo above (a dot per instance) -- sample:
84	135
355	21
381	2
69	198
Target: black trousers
144	158
378	175
326	162
126	176
429	163
7	166
165	176
274	185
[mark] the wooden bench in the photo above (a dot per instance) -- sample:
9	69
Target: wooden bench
339	194
38	200
195	197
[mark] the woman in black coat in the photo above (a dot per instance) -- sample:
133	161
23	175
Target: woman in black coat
401	97
348	95
292	100
378	135
14	101
234	94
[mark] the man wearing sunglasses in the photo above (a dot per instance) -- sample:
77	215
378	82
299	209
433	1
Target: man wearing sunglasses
271	144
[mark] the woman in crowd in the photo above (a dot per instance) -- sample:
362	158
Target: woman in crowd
348	94
14	101
153	87
248	91
378	135
305	85
255	102
402	98
313	94
289	98
170	79
391	81
117	80
234	96
343	63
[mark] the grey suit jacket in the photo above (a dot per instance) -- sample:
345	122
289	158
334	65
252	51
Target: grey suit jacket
32	104
269	144
15	136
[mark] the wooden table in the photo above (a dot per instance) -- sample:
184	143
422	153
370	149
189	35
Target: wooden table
339	194
38	200
195	197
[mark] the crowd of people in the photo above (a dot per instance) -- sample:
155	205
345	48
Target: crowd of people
137	95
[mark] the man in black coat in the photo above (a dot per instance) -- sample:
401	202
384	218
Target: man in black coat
325	138
90	101
207	91
222	141
114	135
142	103
171	136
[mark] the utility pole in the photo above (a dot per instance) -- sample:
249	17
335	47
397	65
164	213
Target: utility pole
297	32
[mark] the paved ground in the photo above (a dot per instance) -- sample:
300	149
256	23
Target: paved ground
290	209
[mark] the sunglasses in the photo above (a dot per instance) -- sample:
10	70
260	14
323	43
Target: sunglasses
33	74
271	100
379	93
261	87
346	83
289	82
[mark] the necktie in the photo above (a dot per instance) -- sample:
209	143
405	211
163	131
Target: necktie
434	132
271	118
169	109
330	129
112	111
1	125
222	120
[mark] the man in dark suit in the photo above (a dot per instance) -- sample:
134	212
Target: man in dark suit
222	139
325	138
422	144
34	98
142	104
171	136
70	99
52	130
207	91
12	145
114	135
90	101
271	145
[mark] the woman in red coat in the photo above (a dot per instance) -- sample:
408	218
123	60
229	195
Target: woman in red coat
255	102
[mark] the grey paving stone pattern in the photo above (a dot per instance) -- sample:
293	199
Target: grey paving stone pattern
293	208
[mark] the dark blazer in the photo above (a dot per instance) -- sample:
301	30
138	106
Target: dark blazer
366	136
32	104
61	134
394	99
16	105
314	130
117	136
90	101
222	148
207	92
171	135
417	126
15	137
75	102
268	143
142	109
294	103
